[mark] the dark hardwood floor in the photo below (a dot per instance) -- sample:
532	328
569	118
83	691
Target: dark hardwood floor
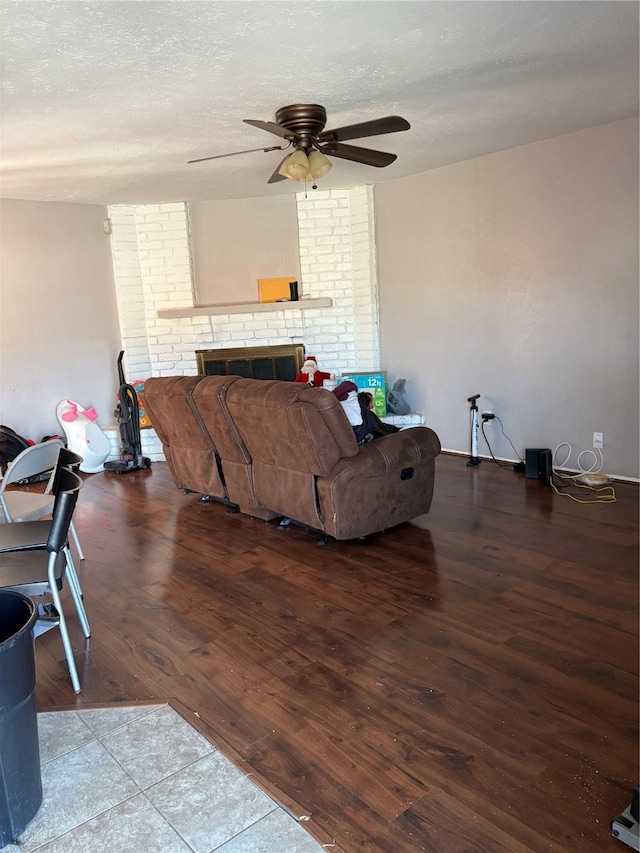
469	682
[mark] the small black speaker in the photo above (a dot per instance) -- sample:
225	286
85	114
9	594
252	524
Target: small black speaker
537	464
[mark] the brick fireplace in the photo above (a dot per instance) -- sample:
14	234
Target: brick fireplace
154	275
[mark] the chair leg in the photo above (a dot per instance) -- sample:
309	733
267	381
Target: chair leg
72	574
64	633
76	541
79	604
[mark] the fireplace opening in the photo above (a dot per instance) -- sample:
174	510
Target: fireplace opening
277	362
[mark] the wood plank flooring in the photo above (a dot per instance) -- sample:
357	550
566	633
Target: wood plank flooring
467	682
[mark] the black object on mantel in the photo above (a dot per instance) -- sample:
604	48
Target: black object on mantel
293	287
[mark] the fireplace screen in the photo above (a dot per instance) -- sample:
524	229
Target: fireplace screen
279	362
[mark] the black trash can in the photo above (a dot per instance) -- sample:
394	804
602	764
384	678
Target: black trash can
20	777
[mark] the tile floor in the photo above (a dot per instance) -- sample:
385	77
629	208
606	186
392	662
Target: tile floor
135	779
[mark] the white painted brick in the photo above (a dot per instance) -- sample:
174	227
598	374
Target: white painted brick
320	268
153	268
144	227
161	288
325	245
322	204
149	218
296	334
175	233
172	268
323	214
179	278
181	256
127	255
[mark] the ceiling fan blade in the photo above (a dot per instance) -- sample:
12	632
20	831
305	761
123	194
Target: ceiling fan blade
359	155
276	175
271	126
233	153
388	124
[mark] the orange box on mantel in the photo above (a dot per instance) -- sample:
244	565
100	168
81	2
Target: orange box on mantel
273	289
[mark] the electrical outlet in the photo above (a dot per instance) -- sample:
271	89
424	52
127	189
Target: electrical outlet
598	440
488	416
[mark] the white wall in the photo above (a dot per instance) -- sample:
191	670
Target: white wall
515	276
59	333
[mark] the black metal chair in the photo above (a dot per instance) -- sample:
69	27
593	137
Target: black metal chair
35	565
33	535
21	505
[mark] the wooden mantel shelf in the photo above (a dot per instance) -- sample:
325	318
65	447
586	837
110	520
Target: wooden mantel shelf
244	308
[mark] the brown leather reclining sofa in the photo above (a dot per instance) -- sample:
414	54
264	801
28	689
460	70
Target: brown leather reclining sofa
286	449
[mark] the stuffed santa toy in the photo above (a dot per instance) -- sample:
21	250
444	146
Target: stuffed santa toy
310	374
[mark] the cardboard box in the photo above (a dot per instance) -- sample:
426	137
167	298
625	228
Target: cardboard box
273	289
375	384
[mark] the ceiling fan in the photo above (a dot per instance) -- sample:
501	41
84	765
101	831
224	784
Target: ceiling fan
302	126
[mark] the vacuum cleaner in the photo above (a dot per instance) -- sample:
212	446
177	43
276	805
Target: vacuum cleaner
127	415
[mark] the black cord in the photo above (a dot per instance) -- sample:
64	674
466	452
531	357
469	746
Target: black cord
508	439
497	461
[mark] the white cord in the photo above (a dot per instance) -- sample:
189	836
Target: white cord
592	470
565	460
603	493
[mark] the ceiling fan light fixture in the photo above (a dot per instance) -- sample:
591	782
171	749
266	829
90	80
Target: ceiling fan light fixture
296	166
301	126
319	165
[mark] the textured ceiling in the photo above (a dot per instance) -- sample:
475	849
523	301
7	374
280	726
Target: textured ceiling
105	101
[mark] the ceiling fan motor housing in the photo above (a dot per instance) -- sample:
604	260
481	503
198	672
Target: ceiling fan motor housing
305	121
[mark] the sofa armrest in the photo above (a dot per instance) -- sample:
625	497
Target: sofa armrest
388	482
398	450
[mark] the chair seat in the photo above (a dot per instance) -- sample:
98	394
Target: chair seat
27	571
27	536
28	506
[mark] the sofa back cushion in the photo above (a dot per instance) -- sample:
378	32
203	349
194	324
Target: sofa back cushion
189	450
290	425
209	400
